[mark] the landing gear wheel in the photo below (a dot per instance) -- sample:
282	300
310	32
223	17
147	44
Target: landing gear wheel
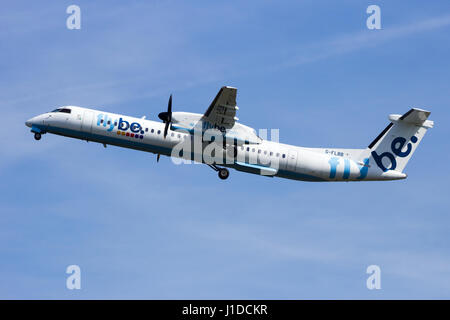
223	173
37	136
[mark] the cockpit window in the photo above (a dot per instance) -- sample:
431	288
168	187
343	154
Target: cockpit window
64	110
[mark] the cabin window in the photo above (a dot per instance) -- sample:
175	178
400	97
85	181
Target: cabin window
179	136
109	122
271	153
248	149
265	152
153	130
253	149
284	156
146	129
101	121
159	131
171	134
259	151
278	154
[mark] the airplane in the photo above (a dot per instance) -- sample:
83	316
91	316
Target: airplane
233	145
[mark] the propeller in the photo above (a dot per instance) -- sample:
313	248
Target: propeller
166	117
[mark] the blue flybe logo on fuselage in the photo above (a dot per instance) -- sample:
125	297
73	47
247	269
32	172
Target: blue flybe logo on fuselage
124	127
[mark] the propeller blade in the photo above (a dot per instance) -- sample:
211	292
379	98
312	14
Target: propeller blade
166	116
169	116
157	158
169	109
166	128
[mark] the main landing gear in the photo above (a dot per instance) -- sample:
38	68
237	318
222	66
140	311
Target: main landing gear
222	172
37	136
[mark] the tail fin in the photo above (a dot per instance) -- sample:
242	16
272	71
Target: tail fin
395	145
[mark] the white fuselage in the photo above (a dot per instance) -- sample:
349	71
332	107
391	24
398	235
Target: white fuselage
282	160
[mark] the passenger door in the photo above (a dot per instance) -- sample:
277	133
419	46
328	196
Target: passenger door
86	121
291	160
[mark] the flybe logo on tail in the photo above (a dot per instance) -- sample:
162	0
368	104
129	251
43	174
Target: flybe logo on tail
397	146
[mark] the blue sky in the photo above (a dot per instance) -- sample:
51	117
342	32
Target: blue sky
147	230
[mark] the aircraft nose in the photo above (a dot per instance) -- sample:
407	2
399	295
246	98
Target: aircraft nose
29	122
32	121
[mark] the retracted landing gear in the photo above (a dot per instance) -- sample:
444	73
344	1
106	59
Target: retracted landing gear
222	172
37	136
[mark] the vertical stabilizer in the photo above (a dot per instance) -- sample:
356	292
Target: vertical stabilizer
395	145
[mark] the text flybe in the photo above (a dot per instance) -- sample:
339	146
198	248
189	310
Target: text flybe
121	124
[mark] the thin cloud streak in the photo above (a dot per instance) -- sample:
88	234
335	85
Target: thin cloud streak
365	39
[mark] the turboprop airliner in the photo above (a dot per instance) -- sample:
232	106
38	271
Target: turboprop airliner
217	139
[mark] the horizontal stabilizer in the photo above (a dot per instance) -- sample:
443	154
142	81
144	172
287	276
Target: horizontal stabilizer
414	116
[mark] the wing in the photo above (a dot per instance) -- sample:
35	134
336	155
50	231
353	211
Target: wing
222	111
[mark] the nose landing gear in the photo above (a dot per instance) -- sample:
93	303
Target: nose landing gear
37	136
